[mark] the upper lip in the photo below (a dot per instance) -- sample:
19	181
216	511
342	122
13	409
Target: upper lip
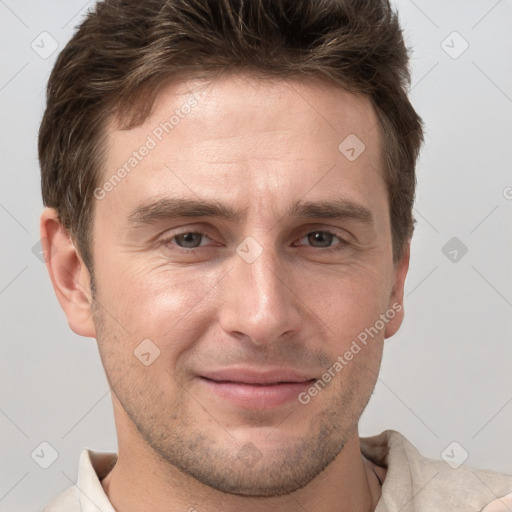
246	375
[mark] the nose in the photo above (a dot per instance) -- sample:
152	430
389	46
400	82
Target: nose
259	303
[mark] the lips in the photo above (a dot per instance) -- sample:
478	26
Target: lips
251	376
256	389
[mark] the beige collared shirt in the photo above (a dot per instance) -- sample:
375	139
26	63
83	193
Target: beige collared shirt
413	483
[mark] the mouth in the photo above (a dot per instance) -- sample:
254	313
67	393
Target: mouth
250	389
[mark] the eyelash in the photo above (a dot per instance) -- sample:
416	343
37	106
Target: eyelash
340	246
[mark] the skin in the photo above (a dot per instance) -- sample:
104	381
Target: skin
256	146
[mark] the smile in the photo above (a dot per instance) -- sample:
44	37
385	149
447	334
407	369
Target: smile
256	390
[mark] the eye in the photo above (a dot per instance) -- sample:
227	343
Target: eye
187	240
322	239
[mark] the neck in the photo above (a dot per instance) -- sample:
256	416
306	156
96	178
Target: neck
140	480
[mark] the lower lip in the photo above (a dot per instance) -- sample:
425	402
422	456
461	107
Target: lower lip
253	396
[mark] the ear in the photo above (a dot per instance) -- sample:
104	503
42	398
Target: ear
68	273
396	300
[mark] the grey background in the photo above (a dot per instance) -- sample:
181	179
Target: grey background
446	375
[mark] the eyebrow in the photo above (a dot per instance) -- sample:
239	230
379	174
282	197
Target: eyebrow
334	209
156	210
175	208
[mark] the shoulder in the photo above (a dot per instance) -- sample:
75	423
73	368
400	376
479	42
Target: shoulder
417	483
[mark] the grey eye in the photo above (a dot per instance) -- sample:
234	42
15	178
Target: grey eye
189	240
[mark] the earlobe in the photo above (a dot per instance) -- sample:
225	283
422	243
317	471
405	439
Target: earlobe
395	306
69	275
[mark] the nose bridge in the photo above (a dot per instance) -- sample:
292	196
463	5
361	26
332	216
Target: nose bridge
264	282
259	304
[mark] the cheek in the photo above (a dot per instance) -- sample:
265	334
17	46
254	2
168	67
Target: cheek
349	301
151	299
351	305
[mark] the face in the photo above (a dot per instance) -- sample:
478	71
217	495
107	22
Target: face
244	278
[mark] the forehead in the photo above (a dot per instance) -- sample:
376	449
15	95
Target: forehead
244	133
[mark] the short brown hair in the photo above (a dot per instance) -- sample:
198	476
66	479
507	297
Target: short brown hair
125	50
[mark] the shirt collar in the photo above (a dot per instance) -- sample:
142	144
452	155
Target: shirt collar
93	467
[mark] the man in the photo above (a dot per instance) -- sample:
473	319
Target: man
229	190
